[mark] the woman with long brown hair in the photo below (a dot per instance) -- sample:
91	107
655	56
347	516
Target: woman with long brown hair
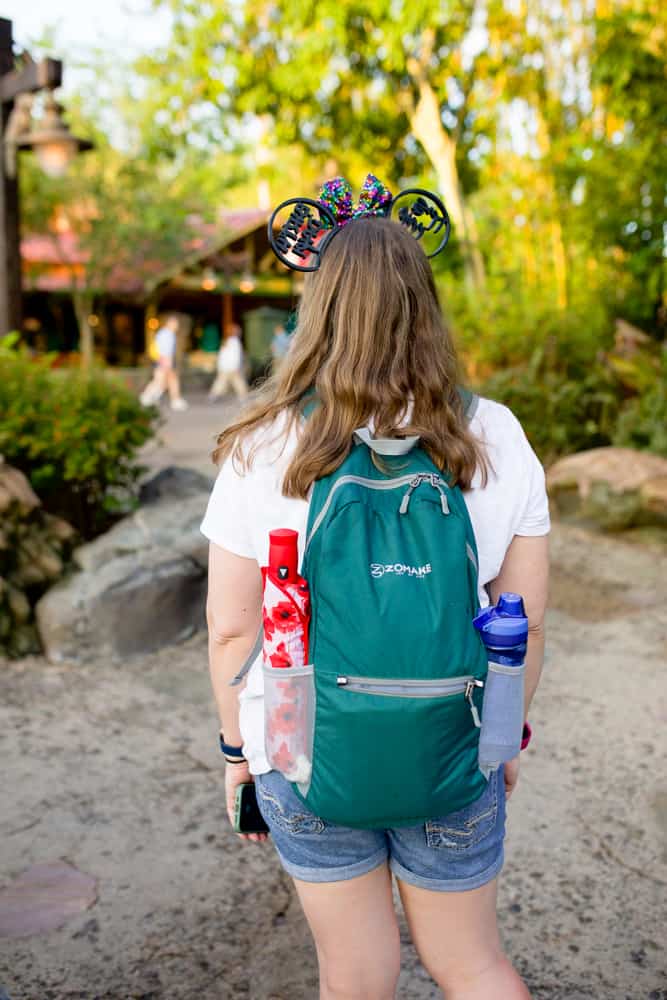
371	350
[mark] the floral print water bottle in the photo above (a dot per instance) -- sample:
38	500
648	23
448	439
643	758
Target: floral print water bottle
287	676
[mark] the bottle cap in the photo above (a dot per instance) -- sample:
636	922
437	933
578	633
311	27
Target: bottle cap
505	624
283	554
511	604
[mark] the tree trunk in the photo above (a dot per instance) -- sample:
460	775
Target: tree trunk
440	148
83	304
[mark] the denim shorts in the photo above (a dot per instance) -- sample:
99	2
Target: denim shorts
453	853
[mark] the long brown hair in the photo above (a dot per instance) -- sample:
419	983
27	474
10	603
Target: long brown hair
370	338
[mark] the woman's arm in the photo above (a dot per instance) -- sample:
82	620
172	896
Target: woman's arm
233	613
525	571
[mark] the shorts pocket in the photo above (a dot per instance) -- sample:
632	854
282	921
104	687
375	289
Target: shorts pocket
289	713
280	806
463	829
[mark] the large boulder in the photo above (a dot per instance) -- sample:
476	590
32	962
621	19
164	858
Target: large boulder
173	483
140	586
616	488
132	604
169	527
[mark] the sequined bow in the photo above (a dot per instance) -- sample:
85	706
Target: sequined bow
336	195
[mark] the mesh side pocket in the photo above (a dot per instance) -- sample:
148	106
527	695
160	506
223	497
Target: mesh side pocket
502	716
289	714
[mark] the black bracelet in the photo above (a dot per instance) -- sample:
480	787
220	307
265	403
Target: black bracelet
235	760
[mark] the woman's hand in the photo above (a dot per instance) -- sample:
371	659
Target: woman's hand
511	774
235	775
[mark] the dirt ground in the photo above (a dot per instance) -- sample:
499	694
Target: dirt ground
115	768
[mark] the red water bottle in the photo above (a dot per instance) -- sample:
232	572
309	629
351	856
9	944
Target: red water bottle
287	678
286	603
284	554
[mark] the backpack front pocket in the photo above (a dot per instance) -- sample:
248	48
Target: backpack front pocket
289	705
447	687
381	741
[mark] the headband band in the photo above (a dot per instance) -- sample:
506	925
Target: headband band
300	241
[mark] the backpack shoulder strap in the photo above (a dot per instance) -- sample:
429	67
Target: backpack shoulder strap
470	402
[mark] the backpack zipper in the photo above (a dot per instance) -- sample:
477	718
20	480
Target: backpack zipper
425	477
392	688
413	481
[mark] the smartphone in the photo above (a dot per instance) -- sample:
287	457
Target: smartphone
247	817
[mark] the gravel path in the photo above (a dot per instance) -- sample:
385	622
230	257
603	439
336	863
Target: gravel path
115	769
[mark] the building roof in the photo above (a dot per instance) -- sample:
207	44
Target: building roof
56	262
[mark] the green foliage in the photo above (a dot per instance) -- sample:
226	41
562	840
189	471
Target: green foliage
577	407
560	372
131	222
74	435
559	414
507	327
643	420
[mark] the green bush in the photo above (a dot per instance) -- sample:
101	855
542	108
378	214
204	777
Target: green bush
558	413
75	435
643	420
563	413
505	328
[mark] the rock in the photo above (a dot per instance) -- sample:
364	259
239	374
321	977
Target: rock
19	605
34	548
36	562
169	525
57	528
23	640
44	897
615	487
175	483
654	495
140	586
132	604
15	490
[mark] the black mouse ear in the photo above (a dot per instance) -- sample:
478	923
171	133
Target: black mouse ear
299	229
425	216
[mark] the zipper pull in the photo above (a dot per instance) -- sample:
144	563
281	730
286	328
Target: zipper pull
341	681
436	483
414	483
470	687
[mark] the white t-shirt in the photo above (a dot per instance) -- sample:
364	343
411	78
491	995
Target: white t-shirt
243	509
230	355
165	342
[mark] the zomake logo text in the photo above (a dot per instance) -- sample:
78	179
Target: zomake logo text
400	569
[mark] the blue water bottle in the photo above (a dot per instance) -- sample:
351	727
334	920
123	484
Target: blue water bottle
504	631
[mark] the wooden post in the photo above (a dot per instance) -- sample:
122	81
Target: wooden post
32	77
10	249
227	312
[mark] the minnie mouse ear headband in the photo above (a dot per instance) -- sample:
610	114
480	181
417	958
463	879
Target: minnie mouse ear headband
300	229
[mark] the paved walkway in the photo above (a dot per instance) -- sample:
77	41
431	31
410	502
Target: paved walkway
188	438
114	767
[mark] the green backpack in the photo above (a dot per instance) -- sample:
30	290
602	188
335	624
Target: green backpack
399	669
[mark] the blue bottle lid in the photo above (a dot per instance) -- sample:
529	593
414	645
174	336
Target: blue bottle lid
505	624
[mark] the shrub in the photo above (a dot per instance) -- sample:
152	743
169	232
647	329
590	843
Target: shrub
75	435
559	414
643	420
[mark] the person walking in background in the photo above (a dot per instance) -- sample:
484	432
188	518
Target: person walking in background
230	366
373	361
165	376
279	344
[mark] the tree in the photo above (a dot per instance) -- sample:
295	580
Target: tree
130	218
388	78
